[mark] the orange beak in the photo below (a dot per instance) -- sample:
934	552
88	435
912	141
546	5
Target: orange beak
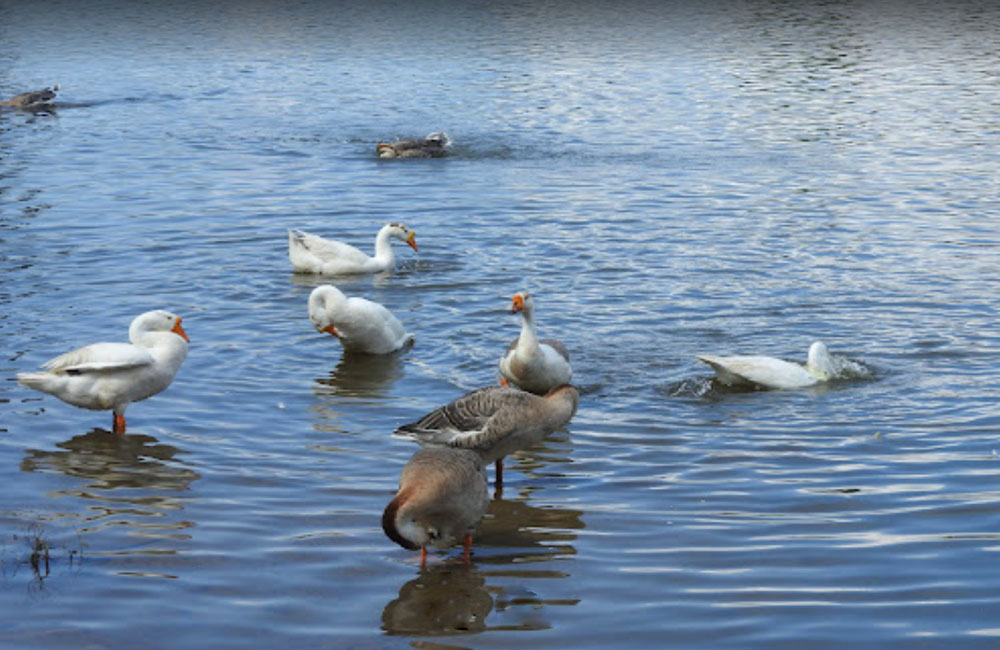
330	329
179	331
411	240
517	305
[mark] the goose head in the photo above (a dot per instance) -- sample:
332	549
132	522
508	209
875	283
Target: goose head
522	303
158	320
401	231
324	304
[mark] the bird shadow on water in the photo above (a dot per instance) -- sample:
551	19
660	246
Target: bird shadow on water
515	541
363	375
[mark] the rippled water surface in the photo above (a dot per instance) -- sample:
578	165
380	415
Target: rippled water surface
667	179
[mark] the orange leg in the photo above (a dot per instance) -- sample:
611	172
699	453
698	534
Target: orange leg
504	382
423	557
467	544
119	424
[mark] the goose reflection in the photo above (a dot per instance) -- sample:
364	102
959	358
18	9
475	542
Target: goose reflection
449	598
124	475
364	375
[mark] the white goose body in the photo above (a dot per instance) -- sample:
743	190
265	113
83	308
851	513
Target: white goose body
442	497
361	325
313	254
533	364
110	376
769	372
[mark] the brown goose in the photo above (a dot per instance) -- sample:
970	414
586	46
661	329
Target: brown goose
495	421
442	497
434	145
32	100
533	364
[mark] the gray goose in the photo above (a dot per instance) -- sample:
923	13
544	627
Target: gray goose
434	145
442	497
32	100
495	421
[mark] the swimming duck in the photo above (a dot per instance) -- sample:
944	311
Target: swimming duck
531	364
442	497
495	421
768	372
110	376
360	324
312	254
32	100
434	145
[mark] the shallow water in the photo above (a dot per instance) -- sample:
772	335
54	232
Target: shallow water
668	180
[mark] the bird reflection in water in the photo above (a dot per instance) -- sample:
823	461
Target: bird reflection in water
364	375
112	465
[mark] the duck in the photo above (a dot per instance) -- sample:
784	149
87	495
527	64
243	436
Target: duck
314	254
533	364
361	325
495	421
434	145
32	100
442	497
110	376
769	372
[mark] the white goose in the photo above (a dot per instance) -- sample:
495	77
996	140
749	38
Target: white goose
313	254
495	421
360	324
533	364
768	372
442	497
110	376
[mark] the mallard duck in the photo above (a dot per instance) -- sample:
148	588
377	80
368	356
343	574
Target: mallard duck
769	372
434	145
442	498
533	364
361	325
110	376
32	100
313	254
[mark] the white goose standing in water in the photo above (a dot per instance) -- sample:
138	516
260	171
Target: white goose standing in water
361	325
110	376
495	421
442	497
533	364
313	254
769	372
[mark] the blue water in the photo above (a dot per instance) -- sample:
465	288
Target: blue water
667	179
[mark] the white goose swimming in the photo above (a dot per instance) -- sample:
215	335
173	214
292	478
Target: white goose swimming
442	497
434	145
768	372
361	325
110	376
313	254
495	421
33	99
533	364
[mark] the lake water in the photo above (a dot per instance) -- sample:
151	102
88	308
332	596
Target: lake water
667	179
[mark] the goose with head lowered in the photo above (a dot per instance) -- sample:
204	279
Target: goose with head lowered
769	372
110	376
533	364
313	254
442	497
361	325
495	421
